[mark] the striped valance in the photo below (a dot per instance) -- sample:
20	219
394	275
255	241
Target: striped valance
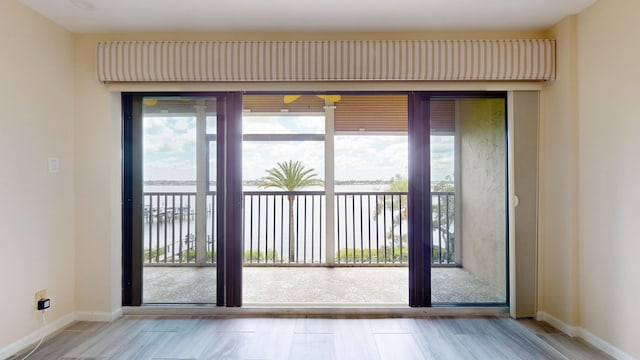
156	61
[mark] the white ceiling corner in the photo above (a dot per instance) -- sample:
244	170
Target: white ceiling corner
98	16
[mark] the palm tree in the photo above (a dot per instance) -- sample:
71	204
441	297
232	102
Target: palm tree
290	176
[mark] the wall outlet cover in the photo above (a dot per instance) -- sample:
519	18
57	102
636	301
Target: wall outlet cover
42	294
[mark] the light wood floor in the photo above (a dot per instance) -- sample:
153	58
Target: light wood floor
206	337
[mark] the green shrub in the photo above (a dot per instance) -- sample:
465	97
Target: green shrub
258	256
191	255
373	255
150	255
435	254
349	255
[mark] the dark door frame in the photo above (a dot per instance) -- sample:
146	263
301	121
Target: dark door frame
419	201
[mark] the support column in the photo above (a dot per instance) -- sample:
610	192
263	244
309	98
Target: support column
457	180
201	182
329	180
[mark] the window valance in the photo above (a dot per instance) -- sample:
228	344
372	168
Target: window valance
348	60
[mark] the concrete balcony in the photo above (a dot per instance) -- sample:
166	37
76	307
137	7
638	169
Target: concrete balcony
317	286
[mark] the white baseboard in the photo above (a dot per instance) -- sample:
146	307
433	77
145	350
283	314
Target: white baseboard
557	323
98	316
35	336
603	345
54	326
576	331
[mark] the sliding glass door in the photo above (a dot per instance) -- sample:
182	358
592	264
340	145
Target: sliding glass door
406	184
458	199
174	198
468	199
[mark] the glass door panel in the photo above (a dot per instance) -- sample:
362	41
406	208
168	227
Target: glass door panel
179	220
468	200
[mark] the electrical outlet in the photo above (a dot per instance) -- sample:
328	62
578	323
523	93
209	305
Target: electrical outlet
40	295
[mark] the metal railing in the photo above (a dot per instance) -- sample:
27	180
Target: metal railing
443	251
289	228
170	228
284	227
371	228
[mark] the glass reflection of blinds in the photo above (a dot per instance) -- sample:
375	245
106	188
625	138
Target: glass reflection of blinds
359	113
443	117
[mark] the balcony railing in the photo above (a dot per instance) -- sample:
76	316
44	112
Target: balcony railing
170	228
288	228
443	251
371	228
284	227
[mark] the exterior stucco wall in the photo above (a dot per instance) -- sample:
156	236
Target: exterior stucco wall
483	188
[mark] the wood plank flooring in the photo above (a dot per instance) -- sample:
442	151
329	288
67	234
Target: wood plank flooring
210	337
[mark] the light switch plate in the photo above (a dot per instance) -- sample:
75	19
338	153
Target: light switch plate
54	165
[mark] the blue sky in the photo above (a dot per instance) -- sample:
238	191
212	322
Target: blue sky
169	150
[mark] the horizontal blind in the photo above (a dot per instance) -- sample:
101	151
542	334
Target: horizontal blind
348	60
389	113
359	113
371	113
276	103
443	118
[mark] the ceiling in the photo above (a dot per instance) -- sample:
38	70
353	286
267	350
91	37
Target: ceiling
98	16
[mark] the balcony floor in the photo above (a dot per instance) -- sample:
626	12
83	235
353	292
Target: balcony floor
316	286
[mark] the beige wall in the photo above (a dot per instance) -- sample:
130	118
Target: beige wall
558	232
98	174
482	188
590	194
37	213
609	171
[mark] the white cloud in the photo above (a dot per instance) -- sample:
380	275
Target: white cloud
370	157
169	150
258	156
169	135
